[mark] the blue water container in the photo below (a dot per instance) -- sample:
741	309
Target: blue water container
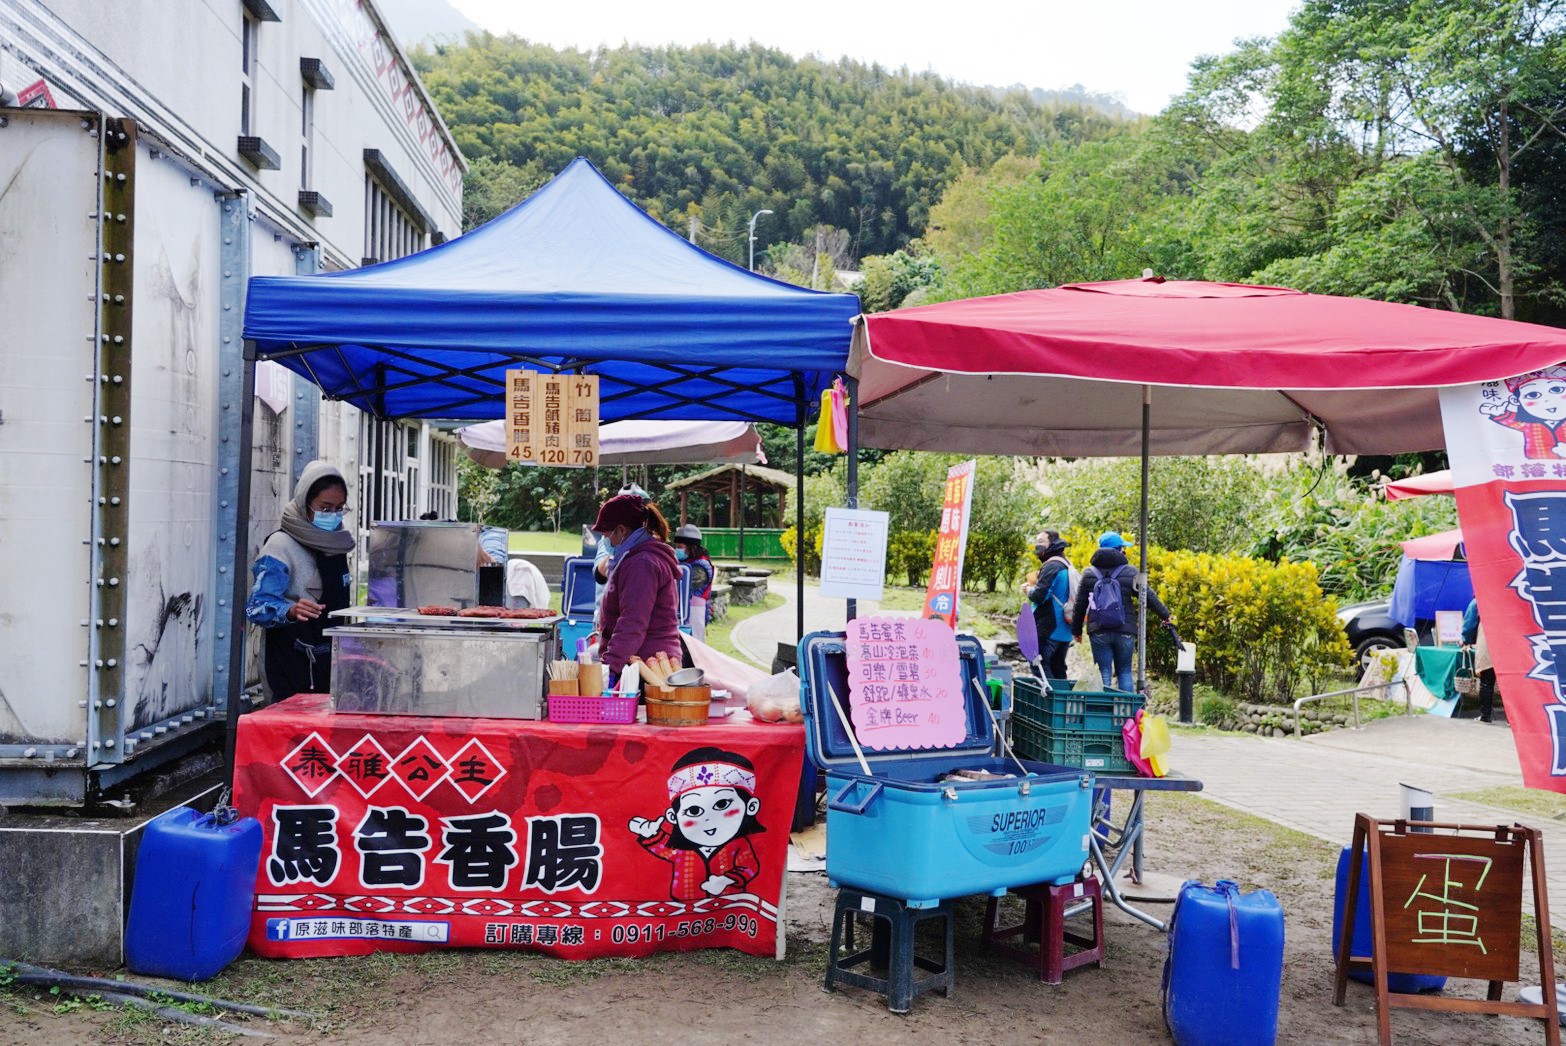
1225	966
1364	940
193	894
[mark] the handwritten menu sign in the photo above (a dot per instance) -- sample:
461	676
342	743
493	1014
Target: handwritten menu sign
905	684
552	419
521	422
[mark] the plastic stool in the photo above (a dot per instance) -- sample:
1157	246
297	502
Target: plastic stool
893	932
1044	924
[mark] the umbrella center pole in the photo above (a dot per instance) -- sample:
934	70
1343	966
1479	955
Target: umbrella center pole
1141	542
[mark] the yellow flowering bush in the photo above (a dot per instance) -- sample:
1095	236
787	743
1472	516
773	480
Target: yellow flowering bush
1261	629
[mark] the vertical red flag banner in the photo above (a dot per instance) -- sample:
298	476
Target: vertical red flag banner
951	541
1507	445
405	833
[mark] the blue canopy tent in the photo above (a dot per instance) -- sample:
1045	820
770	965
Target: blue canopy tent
1432	576
575	279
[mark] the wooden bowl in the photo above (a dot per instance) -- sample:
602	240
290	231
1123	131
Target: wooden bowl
679	706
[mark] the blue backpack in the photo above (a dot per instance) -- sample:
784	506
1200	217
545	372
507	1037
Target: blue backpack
1107	603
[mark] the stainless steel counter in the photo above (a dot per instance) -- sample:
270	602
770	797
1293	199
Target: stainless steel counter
450	669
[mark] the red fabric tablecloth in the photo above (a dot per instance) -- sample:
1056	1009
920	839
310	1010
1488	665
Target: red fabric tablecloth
406	832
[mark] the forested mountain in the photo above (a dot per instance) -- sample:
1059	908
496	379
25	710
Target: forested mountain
715	132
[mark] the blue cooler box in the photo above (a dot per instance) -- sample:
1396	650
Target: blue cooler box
902	832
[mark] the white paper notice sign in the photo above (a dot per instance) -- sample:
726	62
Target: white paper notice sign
853	554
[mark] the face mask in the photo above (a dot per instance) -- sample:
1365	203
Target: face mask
680	554
327	520
1042	551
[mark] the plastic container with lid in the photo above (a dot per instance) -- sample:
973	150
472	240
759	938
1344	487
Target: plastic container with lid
193	893
1225	967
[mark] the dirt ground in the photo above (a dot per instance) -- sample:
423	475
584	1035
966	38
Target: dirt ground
724	997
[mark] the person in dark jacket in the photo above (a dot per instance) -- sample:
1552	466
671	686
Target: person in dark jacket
640	613
1113	649
1050	596
301	576
1473	640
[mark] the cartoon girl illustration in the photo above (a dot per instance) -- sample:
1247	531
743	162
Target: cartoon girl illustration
712	809
1537	409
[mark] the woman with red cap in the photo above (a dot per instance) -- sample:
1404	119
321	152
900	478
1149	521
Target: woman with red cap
640	612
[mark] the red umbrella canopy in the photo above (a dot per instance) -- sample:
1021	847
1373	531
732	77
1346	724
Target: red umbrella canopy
1236	369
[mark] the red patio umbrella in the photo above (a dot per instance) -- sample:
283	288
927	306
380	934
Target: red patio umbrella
1071	370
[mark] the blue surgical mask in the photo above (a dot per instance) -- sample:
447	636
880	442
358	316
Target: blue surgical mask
681	555
327	520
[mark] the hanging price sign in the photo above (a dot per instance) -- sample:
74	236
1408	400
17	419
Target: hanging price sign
521	419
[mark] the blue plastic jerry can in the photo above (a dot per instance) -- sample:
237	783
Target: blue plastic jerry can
193	893
1364	943
1225	967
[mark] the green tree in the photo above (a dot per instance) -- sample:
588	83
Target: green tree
1388	138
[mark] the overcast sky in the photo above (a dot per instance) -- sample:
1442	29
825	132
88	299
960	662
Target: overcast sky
1138	49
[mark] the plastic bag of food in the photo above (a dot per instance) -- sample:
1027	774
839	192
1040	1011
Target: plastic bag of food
776	699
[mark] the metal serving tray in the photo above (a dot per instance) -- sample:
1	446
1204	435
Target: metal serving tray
409	617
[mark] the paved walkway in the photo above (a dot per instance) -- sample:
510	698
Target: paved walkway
1317	785
757	638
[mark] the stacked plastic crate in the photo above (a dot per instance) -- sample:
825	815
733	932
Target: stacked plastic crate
1071	727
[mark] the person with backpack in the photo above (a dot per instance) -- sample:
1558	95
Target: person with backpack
1053	596
1106	609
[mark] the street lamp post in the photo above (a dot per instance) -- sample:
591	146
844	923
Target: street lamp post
753	218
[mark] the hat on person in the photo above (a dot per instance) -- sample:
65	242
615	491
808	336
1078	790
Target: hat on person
688	532
1110	539
626	509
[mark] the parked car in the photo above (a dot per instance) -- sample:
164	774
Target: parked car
1370	630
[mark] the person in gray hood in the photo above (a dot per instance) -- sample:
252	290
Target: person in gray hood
301	576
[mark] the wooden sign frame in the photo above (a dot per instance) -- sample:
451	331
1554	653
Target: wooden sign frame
1369	835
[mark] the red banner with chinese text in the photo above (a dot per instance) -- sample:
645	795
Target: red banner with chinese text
581	841
951	541
1509	475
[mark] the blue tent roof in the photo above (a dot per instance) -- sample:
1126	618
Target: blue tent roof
576	277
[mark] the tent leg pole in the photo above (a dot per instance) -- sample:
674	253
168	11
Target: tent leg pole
799	506
237	625
1141	541
852	385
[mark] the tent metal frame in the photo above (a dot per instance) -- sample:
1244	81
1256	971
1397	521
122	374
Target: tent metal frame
800	401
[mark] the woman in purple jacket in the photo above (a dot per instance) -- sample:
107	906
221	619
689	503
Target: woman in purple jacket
640	612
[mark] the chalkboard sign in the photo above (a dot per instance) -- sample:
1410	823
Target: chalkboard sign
1446	899
905	684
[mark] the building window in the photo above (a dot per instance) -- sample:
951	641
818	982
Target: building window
306	134
389	231
247	73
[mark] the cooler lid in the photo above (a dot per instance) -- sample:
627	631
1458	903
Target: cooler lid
823	674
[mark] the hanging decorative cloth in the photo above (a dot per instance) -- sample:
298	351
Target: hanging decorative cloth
825	444
840	415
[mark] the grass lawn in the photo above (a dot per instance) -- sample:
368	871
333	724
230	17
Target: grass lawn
718	632
977	612
1523	800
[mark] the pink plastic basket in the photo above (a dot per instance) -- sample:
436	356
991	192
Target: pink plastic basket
569	709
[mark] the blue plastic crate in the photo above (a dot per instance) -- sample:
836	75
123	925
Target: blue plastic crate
1091	711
